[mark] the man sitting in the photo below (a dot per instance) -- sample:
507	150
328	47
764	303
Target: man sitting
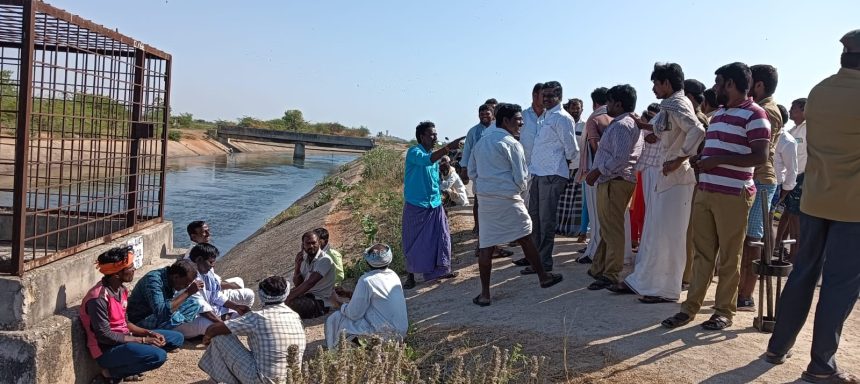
198	232
313	276
216	304
122	349
377	306
453	190
336	257
155	303
270	331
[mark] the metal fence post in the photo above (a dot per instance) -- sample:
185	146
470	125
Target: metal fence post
138	130
22	140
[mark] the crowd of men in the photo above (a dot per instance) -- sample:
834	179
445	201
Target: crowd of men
128	333
686	185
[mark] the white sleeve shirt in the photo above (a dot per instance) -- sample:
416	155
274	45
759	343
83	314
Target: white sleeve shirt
554	145
785	161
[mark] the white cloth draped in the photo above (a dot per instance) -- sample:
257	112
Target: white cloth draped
377	307
662	256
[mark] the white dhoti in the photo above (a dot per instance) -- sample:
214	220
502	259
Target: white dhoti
197	327
662	254
502	220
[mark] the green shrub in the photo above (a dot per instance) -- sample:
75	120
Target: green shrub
174	134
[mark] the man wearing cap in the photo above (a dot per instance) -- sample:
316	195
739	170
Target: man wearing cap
377	306
270	331
829	224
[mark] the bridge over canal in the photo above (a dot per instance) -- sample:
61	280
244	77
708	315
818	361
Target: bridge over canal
299	139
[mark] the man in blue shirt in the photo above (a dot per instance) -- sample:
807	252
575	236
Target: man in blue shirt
425	235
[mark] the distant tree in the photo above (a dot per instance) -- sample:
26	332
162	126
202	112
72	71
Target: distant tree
250	122
294	120
184	120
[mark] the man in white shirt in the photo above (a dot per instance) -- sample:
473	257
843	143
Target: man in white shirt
453	190
531	123
376	307
554	148
313	278
570	213
789	223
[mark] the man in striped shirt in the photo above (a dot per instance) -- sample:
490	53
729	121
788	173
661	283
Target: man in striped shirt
737	140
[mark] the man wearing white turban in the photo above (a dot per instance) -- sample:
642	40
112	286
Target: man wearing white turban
377	306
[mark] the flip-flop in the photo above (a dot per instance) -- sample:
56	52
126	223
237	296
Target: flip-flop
409	284
451	275
477	301
521	262
776	359
555	279
838	377
530	271
679	319
654	300
620	288
502	253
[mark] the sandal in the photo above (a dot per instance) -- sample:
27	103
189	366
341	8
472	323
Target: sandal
409	284
620	288
137	377
555	278
584	260
717	323
477	301
655	300
599	284
680	319
838	377
776	359
521	262
502	253
451	275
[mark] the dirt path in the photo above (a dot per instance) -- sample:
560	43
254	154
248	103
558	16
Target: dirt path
588	336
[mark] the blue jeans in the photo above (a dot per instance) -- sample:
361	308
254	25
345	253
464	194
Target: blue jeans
827	249
129	359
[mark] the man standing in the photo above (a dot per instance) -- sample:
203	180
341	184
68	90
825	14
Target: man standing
313	279
485	119
762	89
569	214
425	234
789	223
531	124
696	92
829	224
594	127
613	174
500	174
737	140
554	148
668	191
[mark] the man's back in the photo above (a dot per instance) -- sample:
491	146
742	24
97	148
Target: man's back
833	139
271	331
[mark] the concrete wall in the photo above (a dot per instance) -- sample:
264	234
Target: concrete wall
51	223
44	291
42	340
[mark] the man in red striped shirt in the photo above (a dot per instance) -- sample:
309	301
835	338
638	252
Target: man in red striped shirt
737	140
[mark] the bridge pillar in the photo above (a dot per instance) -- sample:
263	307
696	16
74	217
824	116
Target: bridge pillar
299	151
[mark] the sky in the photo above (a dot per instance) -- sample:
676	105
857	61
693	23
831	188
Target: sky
388	64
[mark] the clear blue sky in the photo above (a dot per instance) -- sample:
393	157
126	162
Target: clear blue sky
390	64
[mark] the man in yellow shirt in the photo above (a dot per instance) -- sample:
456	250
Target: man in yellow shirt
829	224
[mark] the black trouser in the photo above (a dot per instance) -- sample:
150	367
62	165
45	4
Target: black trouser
828	249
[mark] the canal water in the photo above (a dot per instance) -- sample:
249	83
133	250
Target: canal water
238	194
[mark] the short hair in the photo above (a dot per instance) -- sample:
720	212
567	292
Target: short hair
182	268
491	101
114	255
194	226
671	72
575	100
598	96
801	102
274	286
423	127
654	107
322	233
537	88
507	111
203	251
711	97
696	89
625	94
308	234
767	75
485	107
555	86
783	113
737	72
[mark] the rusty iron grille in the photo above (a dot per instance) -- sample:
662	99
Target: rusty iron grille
83	118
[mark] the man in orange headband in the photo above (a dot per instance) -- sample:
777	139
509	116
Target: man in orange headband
122	349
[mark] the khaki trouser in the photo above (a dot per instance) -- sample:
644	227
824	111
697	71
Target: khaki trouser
688	268
613	200
719	223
